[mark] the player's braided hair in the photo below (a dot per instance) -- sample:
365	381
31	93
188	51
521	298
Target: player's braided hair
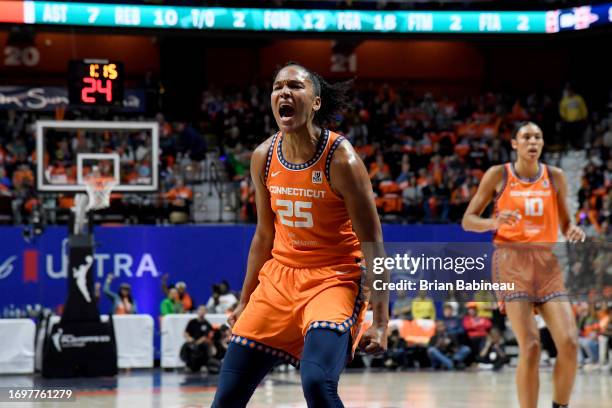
334	97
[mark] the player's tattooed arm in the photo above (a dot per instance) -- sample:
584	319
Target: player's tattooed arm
571	232
261	245
349	179
489	186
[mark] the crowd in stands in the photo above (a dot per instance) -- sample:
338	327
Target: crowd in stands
425	154
595	194
183	151
423	333
205	344
475	334
176	300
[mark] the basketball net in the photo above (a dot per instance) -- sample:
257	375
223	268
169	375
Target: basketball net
98	197
98	192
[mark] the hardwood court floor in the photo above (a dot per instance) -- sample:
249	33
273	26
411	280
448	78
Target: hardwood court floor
427	389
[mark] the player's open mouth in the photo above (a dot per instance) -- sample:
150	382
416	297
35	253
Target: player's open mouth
286	110
533	150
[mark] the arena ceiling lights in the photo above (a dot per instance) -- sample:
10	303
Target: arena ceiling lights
289	20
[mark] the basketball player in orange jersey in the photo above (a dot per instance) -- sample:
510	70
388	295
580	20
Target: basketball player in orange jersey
530	206
302	298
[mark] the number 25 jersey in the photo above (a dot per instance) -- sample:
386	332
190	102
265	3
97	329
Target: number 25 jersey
312	224
536	201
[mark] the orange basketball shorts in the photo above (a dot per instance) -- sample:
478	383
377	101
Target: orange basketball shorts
288	302
533	271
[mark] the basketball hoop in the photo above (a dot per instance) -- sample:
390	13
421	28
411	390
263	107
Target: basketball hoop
98	197
98	192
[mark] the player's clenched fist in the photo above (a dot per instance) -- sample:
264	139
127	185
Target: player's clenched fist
374	340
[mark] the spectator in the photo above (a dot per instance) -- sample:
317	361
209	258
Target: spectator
184	297
429	200
453	324
171	304
588	326
405	172
444	350
180	197
413	198
443	194
605	334
452	300
476	327
573	112
498	153
485	303
379	170
397	350
5	182
24	194
192	141
143	151
248	210
423	307
198	347
461	194
436	197
493	354
478	157
587	218
123	303
222	299
402	306
181	288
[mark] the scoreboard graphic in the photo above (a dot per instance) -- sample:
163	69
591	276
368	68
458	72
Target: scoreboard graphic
290	20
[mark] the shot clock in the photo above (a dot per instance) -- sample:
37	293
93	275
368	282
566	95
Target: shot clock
95	82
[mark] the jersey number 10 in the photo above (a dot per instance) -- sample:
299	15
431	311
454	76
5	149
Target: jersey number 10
287	209
534	207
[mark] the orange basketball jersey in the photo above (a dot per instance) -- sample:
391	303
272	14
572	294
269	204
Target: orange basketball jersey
312	225
536	200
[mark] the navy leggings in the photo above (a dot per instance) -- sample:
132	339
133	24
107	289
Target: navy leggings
323	359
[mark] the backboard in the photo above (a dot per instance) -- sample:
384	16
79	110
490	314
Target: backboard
68	151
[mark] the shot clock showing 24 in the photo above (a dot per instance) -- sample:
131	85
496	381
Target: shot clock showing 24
94	82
